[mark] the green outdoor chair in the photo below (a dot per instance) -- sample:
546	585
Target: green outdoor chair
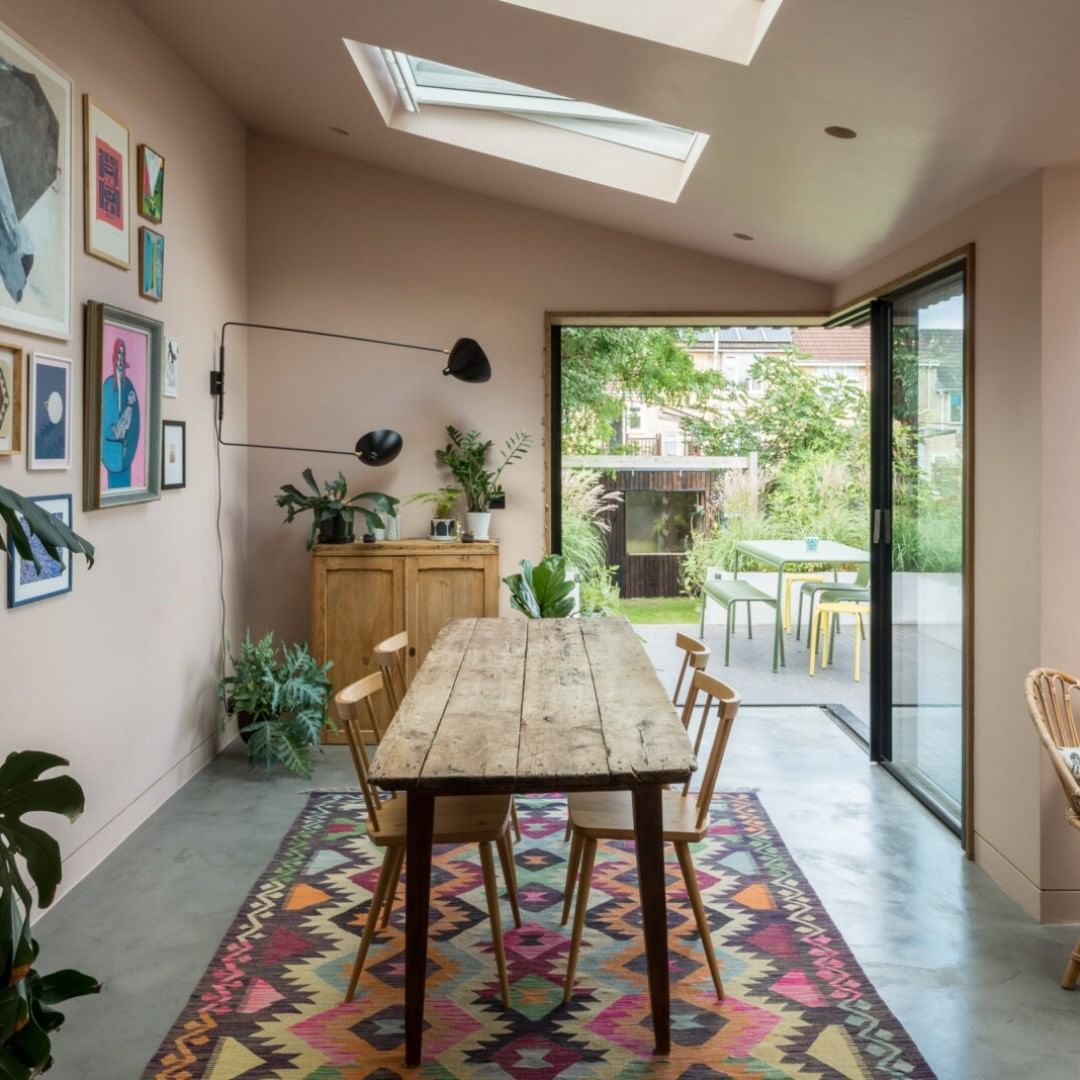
817	591
727	593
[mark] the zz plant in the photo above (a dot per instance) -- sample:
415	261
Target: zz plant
280	702
466	457
28	999
542	591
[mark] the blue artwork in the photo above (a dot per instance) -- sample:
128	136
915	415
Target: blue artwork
27	582
51	423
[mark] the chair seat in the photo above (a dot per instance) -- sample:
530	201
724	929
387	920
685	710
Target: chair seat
609	815
735	591
459	819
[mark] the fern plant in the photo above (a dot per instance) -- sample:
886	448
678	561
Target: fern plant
466	457
280	702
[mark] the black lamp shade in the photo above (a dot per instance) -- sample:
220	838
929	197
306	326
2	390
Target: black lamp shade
379	447
468	362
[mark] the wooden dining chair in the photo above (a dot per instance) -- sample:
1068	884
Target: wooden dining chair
1050	697
459	819
609	815
695	658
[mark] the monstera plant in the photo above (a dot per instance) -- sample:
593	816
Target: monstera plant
27	998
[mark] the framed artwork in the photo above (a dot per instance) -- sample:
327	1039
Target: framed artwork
108	185
48	413
122	407
35	192
151	263
173	454
172	368
11	365
28	583
151	167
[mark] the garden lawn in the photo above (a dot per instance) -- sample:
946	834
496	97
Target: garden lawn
661	609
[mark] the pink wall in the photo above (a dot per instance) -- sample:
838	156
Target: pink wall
1010	455
337	245
119	676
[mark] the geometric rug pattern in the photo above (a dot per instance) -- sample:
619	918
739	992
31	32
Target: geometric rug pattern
797	1005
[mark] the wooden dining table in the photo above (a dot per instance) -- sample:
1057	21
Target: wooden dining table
520	706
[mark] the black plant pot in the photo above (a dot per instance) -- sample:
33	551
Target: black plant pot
243	719
336	530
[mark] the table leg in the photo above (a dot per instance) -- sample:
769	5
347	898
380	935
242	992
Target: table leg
778	636
649	842
420	821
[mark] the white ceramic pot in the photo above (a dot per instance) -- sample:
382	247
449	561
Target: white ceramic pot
478	524
379	534
393	527
444	529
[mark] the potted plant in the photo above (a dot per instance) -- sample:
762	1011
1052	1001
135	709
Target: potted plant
466	457
280	702
444	525
30	860
332	508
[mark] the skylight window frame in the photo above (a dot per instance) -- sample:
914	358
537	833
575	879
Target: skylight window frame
528	103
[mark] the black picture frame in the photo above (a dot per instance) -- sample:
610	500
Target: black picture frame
180	426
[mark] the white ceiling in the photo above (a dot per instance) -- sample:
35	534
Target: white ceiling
953	100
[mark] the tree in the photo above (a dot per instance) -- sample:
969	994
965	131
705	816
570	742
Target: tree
795	414
606	368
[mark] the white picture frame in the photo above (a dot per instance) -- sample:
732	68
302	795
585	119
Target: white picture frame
48	412
170	378
108	184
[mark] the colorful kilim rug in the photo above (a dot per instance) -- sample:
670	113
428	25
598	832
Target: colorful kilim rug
271	1003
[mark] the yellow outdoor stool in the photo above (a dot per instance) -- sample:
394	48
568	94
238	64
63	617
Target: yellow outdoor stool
823	630
789	580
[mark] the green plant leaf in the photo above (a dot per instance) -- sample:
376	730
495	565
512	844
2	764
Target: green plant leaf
64	985
21	766
309	478
24	518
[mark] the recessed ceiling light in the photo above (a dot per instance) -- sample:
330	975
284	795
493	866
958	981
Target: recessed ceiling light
838	132
338	130
742	236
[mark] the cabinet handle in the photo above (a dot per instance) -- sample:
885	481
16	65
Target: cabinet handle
412	650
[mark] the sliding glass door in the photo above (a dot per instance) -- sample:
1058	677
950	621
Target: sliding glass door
920	520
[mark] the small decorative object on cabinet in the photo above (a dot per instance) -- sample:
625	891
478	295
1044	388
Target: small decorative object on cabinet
466	457
151	264
173	454
151	184
42	575
362	594
35	203
444	526
332	509
11	365
49	413
122	407
108	185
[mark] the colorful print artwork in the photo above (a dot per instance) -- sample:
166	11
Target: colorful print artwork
10	399
151	264
29	581
151	184
35	192
108	184
122	407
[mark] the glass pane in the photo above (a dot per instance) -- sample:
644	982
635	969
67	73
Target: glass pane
659	522
928	539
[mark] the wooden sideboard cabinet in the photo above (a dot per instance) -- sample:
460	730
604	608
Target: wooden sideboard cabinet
364	593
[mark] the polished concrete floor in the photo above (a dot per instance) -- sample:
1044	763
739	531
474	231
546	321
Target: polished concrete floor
969	975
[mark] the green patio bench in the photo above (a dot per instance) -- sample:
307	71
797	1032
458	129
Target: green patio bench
728	593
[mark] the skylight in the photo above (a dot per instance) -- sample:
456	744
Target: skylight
527	125
426	83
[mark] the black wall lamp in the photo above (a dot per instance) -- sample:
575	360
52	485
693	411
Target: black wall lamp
466	361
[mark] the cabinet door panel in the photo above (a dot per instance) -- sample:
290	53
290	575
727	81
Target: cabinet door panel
440	588
364	604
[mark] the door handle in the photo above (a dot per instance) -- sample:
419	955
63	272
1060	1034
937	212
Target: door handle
877	527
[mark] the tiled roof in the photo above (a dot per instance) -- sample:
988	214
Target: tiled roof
844	345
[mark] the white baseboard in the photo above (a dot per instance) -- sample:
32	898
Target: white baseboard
93	851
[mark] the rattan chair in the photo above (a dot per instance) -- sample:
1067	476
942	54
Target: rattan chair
1050	703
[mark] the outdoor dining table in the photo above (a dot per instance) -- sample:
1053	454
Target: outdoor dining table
783	553
520	706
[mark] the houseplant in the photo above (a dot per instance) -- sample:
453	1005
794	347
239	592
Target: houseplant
332	508
27	1015
543	591
442	503
280	700
466	457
